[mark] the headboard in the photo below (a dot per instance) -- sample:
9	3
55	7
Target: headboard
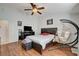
49	30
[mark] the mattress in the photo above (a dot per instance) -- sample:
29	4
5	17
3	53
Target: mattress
40	39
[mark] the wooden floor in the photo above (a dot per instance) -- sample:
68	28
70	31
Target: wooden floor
15	49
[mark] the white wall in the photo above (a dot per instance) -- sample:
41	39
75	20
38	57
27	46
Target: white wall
56	19
12	15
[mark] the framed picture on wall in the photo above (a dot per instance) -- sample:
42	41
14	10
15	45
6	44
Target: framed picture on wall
19	23
49	21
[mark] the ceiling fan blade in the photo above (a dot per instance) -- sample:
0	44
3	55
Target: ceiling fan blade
32	4
32	13
27	9
41	8
39	12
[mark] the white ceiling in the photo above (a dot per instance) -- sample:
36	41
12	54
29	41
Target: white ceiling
49	7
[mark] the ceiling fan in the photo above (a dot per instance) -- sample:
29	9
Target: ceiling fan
35	9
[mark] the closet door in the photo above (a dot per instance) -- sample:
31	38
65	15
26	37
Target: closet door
0	35
4	32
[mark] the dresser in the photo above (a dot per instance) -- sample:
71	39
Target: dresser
27	32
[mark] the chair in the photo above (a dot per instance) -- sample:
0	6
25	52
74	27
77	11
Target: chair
64	37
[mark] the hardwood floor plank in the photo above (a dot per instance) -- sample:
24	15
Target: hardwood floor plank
15	49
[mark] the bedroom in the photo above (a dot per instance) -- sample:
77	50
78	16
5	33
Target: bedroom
12	13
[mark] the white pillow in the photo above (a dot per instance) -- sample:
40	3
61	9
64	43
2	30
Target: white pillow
67	35
64	37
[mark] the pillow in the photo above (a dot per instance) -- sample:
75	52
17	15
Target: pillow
67	34
64	38
45	33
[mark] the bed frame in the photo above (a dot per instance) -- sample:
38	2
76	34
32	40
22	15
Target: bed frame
37	46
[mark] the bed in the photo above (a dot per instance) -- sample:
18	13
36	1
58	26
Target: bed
41	42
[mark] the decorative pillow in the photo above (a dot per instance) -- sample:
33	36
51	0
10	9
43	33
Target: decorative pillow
67	34
65	37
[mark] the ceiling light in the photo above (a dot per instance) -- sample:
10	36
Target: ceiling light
34	10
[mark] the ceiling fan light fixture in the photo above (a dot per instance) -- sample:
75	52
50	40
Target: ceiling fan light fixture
35	10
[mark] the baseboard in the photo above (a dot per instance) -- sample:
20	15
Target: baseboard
3	43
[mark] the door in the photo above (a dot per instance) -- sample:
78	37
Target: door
4	32
0	35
